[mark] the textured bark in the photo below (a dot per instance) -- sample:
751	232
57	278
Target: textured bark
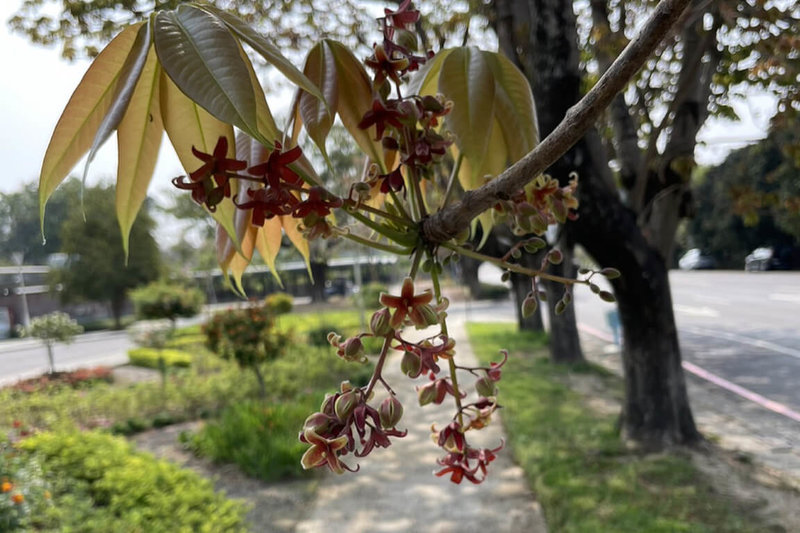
656	410
565	344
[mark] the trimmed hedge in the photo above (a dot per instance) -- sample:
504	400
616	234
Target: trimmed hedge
149	357
101	484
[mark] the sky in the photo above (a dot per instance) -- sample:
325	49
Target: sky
37	84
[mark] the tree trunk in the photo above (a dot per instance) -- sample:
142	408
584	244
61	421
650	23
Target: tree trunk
541	37
469	276
117	304
565	344
319	270
50	360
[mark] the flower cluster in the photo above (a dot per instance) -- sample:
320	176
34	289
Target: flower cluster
271	188
541	203
345	424
407	125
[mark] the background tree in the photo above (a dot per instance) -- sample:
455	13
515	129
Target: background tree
19	223
752	199
50	329
694	73
167	299
97	268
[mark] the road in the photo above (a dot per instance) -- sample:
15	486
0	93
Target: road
23	358
743	327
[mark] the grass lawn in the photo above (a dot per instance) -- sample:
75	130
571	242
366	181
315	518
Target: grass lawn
584	477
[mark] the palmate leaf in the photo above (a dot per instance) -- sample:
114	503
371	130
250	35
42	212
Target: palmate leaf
202	57
493	117
86	110
266	49
139	139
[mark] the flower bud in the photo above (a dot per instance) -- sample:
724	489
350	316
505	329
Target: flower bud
379	323
429	315
427	393
345	404
390	411
529	305
485	387
411	365
352	349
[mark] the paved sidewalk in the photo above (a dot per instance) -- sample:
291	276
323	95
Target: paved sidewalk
396	491
770	440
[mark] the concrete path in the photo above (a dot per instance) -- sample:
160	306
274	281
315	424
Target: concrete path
396	491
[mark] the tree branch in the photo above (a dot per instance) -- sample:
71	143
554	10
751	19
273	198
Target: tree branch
447	223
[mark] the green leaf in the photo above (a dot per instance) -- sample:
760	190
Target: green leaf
123	92
425	80
467	80
201	56
320	68
85	111
355	99
139	139
189	125
267	50
513	106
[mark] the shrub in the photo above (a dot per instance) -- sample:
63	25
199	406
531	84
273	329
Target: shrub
247	336
261	439
186	341
151	333
77	379
318	336
24	493
162	299
493	292
125	490
149	357
50	329
280	303
370	293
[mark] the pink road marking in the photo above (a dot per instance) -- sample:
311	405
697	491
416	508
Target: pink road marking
766	403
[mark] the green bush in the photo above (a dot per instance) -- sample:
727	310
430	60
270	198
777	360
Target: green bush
371	293
149	357
101	484
186	341
261	439
493	292
248	336
162	299
318	335
280	303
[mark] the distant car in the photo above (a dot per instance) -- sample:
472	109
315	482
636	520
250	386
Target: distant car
696	259
338	287
769	258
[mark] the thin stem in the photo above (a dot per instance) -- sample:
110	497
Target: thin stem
414	178
512	266
437	291
401	238
351	206
399	205
377	245
448	194
376	374
415	263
